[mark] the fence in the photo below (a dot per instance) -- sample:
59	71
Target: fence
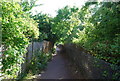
44	46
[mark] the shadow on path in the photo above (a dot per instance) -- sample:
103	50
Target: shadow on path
58	68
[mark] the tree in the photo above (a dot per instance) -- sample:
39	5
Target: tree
27	5
65	24
101	31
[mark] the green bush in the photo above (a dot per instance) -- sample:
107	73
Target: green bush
101	33
17	30
37	64
39	61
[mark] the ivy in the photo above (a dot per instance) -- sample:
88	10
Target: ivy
17	30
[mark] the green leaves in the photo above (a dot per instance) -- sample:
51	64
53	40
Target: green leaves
102	31
95	26
17	30
45	27
66	22
28	5
39	61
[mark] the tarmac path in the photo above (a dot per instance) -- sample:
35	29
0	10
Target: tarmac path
60	68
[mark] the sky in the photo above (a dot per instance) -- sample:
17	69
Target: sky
51	6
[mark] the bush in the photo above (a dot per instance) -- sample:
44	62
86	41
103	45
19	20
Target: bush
101	33
17	30
39	61
37	64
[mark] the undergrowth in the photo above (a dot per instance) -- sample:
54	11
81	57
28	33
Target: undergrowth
37	64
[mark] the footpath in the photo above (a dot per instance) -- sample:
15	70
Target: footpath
59	68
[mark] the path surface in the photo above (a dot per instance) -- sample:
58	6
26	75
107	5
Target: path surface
58	68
